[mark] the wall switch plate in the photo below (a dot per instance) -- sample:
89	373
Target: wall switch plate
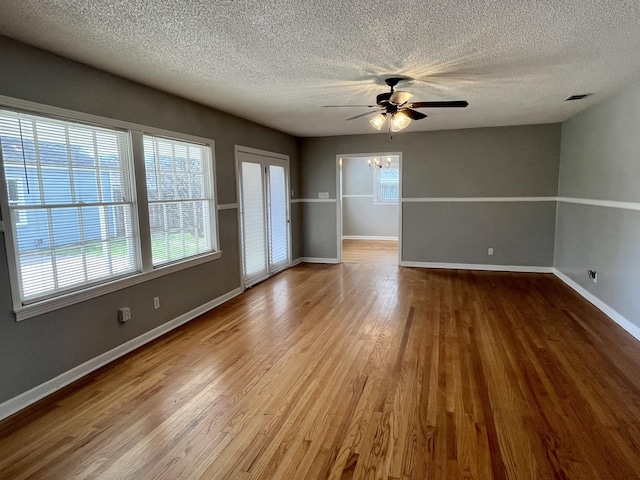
490	251
323	195
124	314
156	302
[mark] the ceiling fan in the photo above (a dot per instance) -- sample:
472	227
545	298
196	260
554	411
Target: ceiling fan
396	106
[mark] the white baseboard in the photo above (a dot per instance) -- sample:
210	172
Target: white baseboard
318	260
29	397
478	266
367	237
297	261
630	327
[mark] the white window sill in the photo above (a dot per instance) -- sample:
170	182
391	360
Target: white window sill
377	202
45	306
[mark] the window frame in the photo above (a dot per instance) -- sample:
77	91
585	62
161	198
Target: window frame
146	271
23	221
208	194
395	165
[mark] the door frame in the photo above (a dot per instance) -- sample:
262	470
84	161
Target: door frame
339	159
276	156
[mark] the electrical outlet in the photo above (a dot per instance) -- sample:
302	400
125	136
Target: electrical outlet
124	314
593	275
490	252
156	302
323	194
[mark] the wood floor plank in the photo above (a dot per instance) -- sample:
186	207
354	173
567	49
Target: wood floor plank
356	371
384	252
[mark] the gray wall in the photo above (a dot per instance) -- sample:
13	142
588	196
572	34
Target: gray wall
40	348
521	161
360	216
600	160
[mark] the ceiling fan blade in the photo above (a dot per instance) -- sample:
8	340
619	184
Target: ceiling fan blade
443	104
400	97
349	106
412	114
364	114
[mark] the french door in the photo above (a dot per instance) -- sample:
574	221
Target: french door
263	183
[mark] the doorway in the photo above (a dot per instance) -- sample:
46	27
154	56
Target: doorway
369	201
263	190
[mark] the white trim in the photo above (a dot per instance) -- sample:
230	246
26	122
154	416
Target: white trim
367	237
478	266
478	199
266	159
297	261
339	202
228	206
73	115
29	397
340	196
602	203
368	154
45	306
630	327
582	201
313	200
262	153
400	208
344	195
318	260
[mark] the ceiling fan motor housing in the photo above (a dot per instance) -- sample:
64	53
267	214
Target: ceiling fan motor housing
383	98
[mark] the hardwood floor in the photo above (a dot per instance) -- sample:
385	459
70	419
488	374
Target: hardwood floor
357	372
370	251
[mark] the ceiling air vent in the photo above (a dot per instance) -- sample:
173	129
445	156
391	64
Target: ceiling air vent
577	97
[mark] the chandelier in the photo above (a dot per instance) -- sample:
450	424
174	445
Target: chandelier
379	164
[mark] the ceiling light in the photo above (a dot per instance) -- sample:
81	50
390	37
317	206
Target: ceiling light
378	121
399	121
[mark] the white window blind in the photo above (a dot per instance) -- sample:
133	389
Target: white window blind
15	194
180	198
278	228
253	220
69	187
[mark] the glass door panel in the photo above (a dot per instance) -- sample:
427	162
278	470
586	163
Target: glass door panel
264	212
254	244
278	219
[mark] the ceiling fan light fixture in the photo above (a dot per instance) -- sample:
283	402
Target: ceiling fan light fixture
398	107
400	97
399	121
378	121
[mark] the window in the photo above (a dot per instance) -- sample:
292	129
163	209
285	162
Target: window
60	182
180	198
70	196
15	193
386	183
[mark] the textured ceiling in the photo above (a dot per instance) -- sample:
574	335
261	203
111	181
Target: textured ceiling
277	62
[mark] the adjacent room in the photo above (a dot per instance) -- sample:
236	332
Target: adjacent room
344	240
369	190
